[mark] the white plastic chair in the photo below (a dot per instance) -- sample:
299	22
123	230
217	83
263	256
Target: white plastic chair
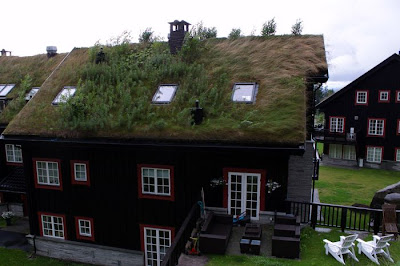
342	247
379	245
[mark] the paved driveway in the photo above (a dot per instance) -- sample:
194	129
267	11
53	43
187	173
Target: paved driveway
14	240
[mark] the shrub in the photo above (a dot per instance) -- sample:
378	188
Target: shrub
297	28
269	28
235	33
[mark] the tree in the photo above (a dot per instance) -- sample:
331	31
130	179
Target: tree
269	28
203	32
235	33
297	28
146	36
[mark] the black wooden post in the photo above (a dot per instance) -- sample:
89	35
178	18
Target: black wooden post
343	219
377	222
314	211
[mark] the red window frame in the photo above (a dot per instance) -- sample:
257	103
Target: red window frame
78	182
356	98
6	159
142	226
344	124
263	174
395	154
366	152
82	237
398	127
56	215
379	96
43	186
397	100
384	126
142	195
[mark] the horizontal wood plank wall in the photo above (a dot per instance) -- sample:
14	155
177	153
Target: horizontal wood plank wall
112	199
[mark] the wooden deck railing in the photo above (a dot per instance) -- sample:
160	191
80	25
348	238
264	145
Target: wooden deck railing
178	245
339	216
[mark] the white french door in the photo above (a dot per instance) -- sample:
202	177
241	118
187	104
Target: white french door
244	194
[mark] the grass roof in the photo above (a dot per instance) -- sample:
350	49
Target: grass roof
25	72
113	99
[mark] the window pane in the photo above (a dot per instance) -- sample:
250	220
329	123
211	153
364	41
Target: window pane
243	92
164	93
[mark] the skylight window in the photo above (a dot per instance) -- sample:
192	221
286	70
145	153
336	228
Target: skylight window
32	93
165	93
244	92
66	93
5	89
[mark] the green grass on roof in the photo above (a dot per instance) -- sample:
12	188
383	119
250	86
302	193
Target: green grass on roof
114	98
15	70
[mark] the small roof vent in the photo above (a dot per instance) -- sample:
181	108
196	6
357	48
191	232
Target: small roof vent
51	51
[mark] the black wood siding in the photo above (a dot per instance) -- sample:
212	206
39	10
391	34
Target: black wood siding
112	198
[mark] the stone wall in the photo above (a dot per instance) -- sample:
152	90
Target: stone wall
300	175
84	252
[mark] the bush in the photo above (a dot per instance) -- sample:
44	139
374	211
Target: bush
297	28
269	28
235	33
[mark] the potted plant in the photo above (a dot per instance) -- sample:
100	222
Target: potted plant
7	216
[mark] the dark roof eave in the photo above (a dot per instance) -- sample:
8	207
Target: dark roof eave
295	149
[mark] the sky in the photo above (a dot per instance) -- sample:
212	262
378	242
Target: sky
358	34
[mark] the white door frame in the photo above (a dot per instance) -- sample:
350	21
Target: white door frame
244	192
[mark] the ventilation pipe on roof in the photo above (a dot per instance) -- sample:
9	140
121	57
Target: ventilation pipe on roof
51	51
197	114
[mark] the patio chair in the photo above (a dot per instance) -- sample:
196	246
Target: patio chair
342	247
389	224
379	245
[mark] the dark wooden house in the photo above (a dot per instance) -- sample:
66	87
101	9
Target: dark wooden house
362	119
114	167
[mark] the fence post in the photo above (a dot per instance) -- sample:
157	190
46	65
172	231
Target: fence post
343	219
377	222
314	209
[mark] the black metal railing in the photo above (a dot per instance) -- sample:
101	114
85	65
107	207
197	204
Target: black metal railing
178	245
339	216
326	134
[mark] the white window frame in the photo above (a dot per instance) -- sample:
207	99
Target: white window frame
397	159
358	96
76	171
159	248
374	154
46	177
87	226
349	152
376	127
156	181
335	151
13	153
336	124
53	226
246	98
382	93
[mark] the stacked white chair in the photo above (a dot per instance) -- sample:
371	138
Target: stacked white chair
379	245
342	247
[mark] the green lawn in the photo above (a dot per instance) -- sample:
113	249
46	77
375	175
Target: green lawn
344	186
17	257
312	253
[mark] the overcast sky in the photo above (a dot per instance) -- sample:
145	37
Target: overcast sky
358	34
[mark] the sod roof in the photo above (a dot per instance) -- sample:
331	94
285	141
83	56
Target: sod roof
14	69
113	99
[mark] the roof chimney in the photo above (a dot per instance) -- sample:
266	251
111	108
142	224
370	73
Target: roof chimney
4	52
51	51
178	30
